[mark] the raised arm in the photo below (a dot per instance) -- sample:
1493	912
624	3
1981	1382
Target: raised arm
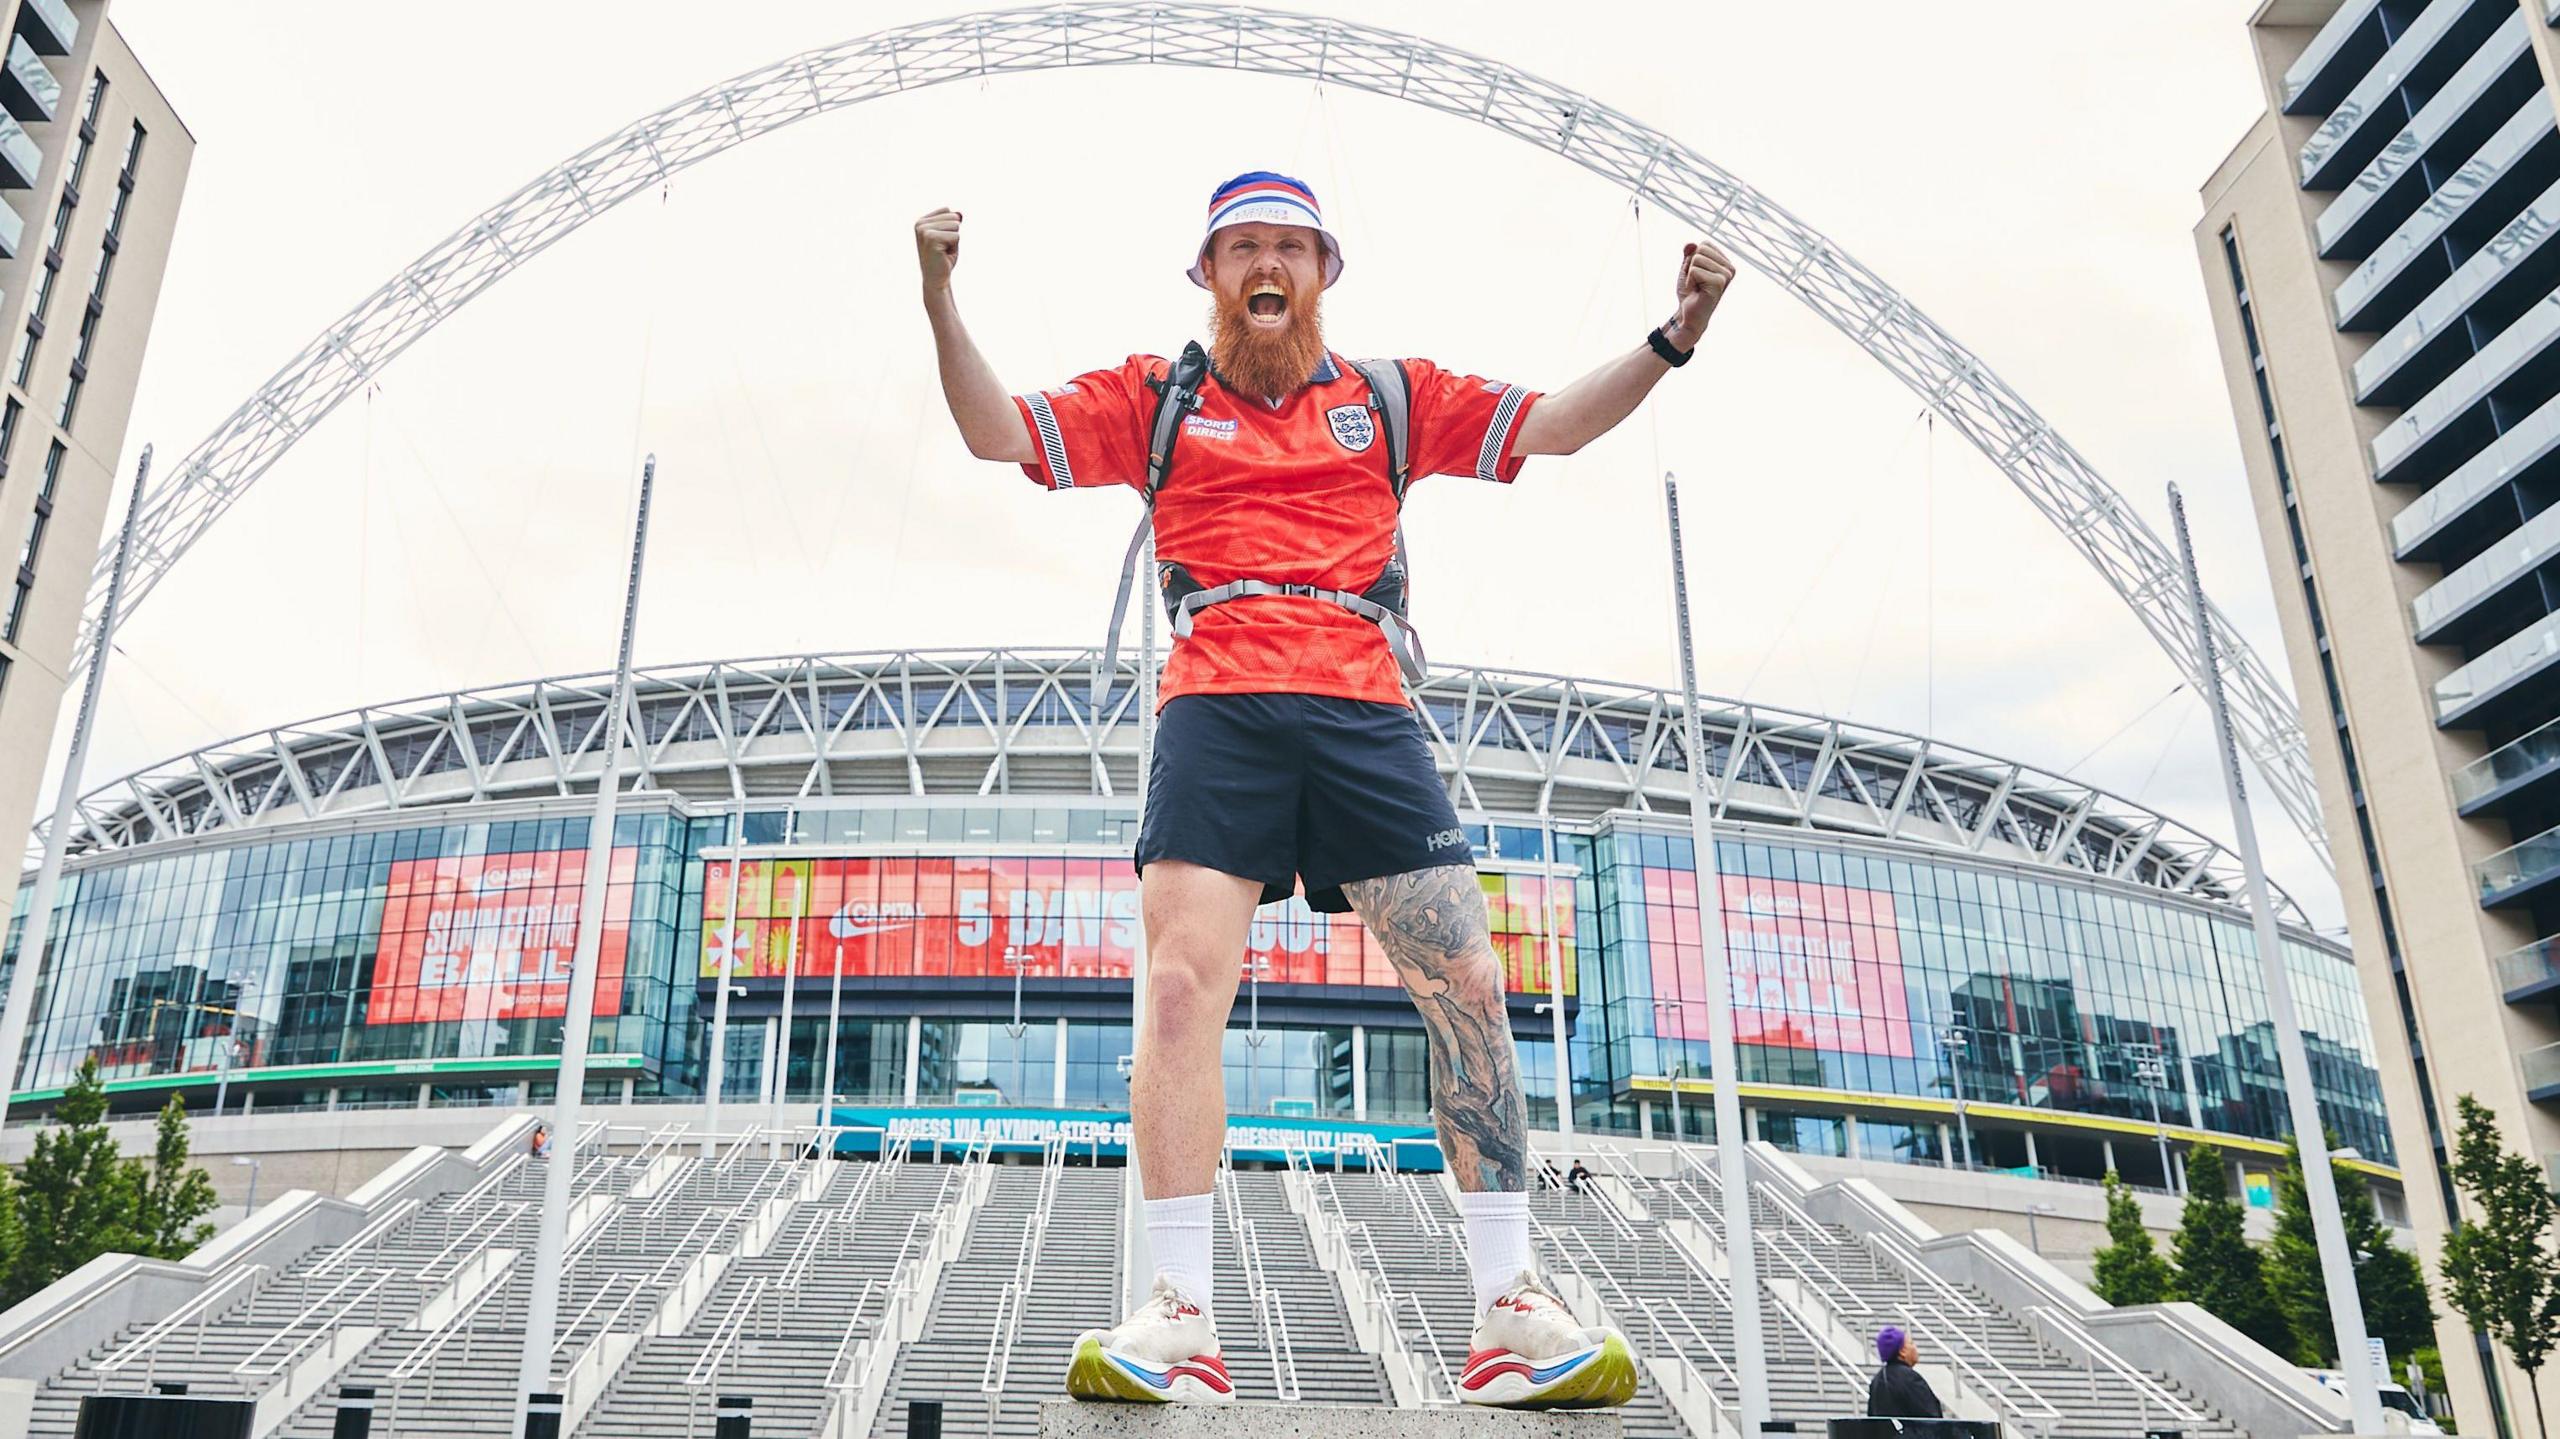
989	424
1566	420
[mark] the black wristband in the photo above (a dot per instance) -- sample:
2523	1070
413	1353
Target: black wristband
1671	354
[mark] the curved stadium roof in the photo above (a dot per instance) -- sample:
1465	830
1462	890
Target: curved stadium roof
1017	721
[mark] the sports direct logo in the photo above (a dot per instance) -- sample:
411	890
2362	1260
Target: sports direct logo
1209	429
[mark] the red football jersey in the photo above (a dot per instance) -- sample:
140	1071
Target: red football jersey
1295	493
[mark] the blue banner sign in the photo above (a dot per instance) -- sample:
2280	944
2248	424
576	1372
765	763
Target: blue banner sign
1106	1133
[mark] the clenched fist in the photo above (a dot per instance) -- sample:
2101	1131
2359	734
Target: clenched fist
938	247
1704	274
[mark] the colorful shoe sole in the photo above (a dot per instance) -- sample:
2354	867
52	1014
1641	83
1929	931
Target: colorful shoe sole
1097	1375
1600	1377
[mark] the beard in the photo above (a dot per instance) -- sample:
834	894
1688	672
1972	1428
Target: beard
1266	363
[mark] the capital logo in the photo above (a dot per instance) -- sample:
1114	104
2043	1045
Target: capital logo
1353	427
858	919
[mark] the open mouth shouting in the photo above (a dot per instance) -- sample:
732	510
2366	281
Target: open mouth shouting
1266	305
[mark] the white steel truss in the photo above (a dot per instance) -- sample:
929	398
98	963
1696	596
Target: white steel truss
1656	168
959	723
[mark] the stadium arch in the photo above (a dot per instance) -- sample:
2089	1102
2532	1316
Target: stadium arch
1951	379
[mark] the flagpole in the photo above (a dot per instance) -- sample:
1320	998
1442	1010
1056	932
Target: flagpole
1732	1169
542	1314
2337	1266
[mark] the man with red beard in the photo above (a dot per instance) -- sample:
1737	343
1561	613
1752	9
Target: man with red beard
1287	756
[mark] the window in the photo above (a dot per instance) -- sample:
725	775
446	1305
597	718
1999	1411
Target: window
88	131
9	412
36	521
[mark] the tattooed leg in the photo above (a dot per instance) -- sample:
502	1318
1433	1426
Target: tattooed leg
1431	922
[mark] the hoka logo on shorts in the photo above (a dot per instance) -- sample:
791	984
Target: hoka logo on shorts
1445	839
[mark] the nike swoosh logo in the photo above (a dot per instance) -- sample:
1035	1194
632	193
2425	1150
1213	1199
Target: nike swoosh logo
846	929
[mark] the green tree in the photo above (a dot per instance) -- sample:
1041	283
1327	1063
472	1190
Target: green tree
2389	1279
173	1196
2130	1269
76	1195
2502	1268
2218	1268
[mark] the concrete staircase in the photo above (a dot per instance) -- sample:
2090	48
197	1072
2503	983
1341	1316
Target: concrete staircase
1075	1289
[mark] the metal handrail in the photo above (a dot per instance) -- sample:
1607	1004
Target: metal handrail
684	1251
322	1328
146	1345
707	1370
490	1182
1430	1341
686	1173
1908	1260
466	1246
373	1233
422	1360
738	1148
603	1291
2143	1384
1026	1265
1786	1205
590	1354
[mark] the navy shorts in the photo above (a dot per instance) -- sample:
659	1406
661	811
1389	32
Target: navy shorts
1290	789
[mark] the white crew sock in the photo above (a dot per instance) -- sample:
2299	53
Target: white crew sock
1178	1236
1497	1242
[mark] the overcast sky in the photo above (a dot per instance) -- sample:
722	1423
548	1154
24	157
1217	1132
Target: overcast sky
2026	173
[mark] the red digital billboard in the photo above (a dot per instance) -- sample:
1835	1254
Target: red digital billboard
1073	918
1814	966
490	937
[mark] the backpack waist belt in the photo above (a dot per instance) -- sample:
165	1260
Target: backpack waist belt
1382	604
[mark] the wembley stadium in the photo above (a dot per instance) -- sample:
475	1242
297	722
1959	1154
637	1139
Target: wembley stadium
1935	951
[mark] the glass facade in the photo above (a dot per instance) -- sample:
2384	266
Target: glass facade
1866	976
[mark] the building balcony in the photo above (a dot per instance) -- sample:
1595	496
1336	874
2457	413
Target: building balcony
2336	58
2542	1073
2511	667
2517	267
20	160
2468	209
2499	76
28	90
2469	500
2461	605
2518	871
2522	764
2517	368
2532	972
49	26
2407	75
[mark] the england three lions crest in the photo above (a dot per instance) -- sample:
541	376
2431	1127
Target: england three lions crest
1354	428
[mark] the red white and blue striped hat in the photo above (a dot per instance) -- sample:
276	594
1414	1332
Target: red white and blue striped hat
1261	197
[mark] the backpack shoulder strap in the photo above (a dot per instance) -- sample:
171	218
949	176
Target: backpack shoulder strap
1177	395
1391	393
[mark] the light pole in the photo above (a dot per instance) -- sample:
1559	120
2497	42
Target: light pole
542	1307
1016	961
2034	1240
1958	1043
2151	1071
781	1077
1672	1070
1742	1271
2337	1267
716	1074
1554	1007
835	1010
250	1161
1254	970
15	1010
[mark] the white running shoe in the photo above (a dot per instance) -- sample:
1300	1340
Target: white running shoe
1166	1352
1528	1353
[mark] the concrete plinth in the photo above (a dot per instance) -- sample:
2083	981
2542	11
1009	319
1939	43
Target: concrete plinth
1067	1419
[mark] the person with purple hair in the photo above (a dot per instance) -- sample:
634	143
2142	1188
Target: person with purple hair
1898	1391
